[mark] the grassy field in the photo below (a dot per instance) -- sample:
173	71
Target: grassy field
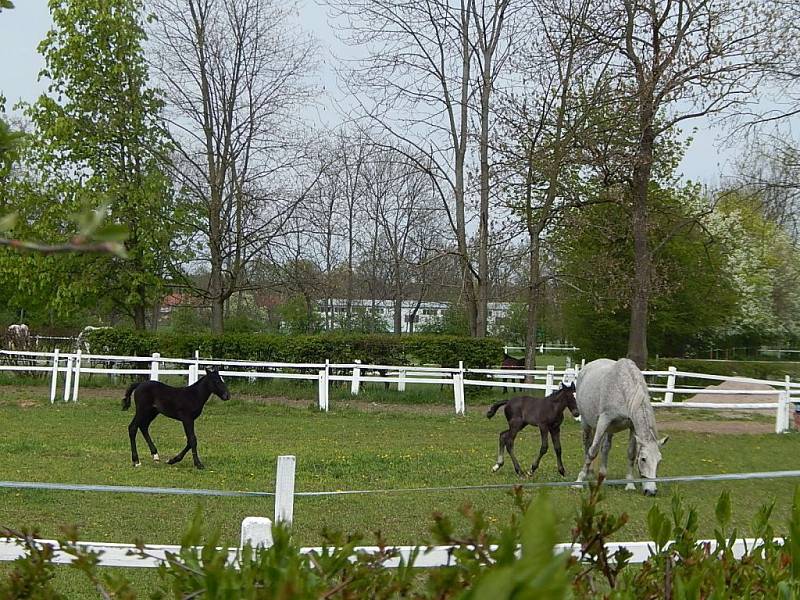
361	444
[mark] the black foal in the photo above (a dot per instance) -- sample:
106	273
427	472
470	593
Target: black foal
546	413
182	404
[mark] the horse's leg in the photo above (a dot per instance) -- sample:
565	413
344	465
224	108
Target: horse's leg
179	456
587	434
501	452
132	429
513	429
144	427
191	440
604	450
591	453
542	450
631	459
555	433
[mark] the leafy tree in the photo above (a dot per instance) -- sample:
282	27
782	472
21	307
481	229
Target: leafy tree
693	294
99	139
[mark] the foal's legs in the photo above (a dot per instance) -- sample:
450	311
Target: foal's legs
514	428
132	429
631	459
542	451
144	427
191	442
555	433
501	451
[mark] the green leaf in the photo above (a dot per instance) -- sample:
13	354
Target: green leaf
111	232
9	221
723	509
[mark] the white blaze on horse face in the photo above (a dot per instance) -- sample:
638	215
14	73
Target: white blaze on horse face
647	461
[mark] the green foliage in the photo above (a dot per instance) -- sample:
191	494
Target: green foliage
452	322
337	347
519	561
692	291
298	317
98	142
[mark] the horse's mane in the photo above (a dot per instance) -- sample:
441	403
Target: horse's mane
638	397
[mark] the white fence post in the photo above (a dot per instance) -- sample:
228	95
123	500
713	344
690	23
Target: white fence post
458	389
670	385
323	390
193	374
548	384
77	379
284	490
782	416
356	384
54	377
790	407
68	382
154	367
256	532
401	380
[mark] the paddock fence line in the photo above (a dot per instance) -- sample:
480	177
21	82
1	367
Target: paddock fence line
257	531
664	384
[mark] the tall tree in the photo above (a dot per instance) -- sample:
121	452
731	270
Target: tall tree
418	81
100	137
680	59
234	72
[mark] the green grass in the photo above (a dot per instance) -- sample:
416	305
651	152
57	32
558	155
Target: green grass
355	446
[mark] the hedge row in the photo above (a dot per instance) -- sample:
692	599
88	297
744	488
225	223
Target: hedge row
742	368
444	350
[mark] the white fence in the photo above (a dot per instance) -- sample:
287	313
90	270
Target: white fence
257	531
664	384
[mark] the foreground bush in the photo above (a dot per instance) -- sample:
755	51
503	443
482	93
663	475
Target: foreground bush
444	350
517	562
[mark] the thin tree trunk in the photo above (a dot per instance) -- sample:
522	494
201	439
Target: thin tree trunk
637	336
483	221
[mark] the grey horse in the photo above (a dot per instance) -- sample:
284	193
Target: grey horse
612	396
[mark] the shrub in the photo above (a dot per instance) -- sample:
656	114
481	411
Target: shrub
336	347
519	561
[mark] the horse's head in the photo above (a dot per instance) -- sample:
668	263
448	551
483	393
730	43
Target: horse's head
566	395
648	455
217	384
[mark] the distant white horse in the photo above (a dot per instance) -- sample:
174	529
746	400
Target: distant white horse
612	396
82	341
18	337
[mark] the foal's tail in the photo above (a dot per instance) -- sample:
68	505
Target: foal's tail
493	408
126	401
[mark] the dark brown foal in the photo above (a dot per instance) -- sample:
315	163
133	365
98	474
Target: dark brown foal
546	413
182	404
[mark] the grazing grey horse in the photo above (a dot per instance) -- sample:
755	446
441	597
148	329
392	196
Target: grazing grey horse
612	396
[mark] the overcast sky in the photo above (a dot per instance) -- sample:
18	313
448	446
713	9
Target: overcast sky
22	28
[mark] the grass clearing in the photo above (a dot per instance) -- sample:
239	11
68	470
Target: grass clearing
360	444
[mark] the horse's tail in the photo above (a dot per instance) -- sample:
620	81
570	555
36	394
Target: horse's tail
493	408
126	401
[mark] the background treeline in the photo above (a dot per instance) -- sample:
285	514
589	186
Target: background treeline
510	151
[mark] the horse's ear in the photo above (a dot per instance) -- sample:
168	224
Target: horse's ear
572	386
663	441
209	370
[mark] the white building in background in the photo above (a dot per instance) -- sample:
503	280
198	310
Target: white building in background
427	313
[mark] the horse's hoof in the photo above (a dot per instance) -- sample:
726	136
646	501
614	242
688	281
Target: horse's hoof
156	457
137	464
199	465
630	487
562	472
173	460
496	468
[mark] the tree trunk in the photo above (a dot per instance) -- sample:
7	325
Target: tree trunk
481	323
533	305
637	336
398	315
